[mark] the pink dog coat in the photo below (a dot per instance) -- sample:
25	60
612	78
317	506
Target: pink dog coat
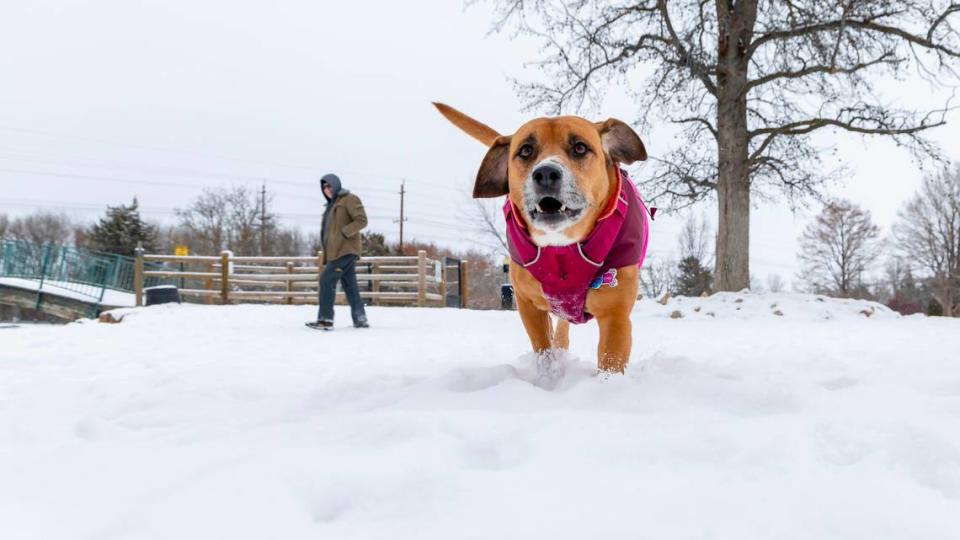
567	273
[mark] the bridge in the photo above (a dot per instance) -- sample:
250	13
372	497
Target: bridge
61	282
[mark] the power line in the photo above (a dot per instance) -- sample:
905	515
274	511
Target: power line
170	184
82	162
97	140
150	148
102	178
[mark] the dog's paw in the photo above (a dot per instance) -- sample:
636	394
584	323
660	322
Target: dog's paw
548	369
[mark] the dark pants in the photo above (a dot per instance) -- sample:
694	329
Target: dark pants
344	271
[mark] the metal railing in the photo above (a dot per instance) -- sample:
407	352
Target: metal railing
57	267
80	272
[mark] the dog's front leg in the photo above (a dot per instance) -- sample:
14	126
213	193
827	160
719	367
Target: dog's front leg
533	308
616	340
537	324
612	306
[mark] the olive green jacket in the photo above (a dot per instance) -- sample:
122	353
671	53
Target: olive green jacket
347	221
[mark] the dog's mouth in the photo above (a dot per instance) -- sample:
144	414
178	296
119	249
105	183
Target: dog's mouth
552	210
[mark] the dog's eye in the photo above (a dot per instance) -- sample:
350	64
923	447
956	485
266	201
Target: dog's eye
525	151
580	149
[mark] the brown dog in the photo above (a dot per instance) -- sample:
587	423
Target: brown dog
562	178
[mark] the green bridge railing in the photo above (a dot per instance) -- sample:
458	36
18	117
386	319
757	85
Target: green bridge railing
86	274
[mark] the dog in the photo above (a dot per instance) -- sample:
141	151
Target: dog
576	227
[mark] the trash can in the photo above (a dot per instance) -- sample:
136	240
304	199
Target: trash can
506	296
161	294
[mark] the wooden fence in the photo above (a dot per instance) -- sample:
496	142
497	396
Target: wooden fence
225	279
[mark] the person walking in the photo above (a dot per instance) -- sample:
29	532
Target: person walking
343	219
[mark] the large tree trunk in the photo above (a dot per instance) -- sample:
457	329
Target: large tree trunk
732	269
945	296
732	272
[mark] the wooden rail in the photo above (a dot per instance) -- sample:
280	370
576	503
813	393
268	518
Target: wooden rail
412	280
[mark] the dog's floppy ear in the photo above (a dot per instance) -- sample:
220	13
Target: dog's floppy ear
621	143
492	176
478	130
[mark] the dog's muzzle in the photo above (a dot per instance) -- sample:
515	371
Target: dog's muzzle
552	196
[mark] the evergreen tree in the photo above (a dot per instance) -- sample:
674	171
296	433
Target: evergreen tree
121	229
911	296
694	278
374	244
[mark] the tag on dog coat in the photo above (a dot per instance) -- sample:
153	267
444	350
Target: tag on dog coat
607	278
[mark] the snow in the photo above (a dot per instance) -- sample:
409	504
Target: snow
61	288
746	306
190	421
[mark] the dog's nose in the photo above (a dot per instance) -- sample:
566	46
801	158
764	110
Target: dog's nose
547	176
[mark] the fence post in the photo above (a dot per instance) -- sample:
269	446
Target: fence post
421	278
463	284
224	277
138	275
289	282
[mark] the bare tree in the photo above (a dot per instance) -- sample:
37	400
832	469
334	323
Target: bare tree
837	249
42	228
284	241
244	209
899	288
4	225
226	218
695	239
747	82
775	283
928	233
206	221
490	228
658	276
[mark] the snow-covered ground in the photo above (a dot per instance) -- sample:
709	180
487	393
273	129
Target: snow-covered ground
238	422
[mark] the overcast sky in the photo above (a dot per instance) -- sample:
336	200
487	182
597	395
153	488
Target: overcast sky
105	100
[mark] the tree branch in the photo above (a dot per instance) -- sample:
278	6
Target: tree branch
865	24
697	120
818	69
881	126
698	69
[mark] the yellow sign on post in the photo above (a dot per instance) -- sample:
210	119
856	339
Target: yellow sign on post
181	251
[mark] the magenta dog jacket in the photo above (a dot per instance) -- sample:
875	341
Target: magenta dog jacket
567	273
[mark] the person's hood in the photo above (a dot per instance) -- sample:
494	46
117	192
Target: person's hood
336	187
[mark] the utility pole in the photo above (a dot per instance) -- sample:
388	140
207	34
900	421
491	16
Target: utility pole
403	192
263	216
